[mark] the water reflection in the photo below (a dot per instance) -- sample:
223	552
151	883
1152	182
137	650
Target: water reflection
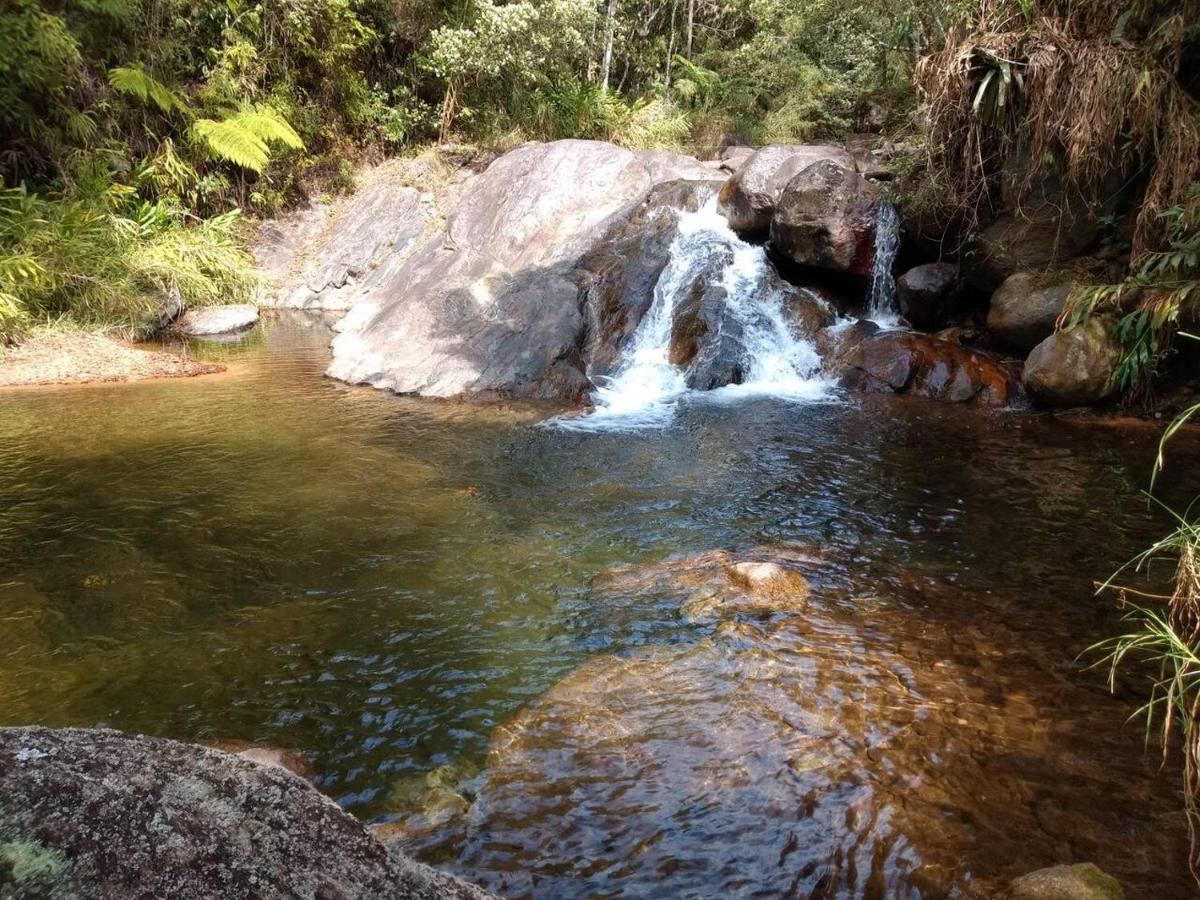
382	584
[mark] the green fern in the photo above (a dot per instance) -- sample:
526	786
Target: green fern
246	137
135	81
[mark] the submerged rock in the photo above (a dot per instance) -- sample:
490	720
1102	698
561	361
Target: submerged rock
825	219
1083	881
206	320
1075	367
264	756
756	581
903	362
1025	310
927	293
748	200
109	816
493	305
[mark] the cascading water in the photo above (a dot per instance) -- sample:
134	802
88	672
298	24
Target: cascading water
881	306
646	388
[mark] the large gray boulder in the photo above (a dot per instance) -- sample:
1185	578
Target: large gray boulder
493	306
1075	367
327	258
1025	310
1083	881
749	198
109	816
825	219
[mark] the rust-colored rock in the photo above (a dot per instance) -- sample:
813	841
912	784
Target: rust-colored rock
902	362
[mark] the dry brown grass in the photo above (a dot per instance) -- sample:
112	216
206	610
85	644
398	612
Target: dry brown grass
1093	85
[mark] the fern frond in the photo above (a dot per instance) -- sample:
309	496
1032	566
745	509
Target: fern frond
230	140
245	138
137	82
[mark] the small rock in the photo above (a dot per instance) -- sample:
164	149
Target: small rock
1025	312
1076	367
1079	882
207	320
927	293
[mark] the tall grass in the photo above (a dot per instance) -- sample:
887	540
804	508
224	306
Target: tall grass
1164	640
108	260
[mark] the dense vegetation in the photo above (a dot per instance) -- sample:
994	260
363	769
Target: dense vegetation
132	131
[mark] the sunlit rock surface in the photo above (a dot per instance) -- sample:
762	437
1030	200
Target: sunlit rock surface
493	305
343	253
749	199
108	816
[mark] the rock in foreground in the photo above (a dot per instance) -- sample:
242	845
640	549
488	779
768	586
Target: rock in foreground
109	816
748	200
1079	882
826	219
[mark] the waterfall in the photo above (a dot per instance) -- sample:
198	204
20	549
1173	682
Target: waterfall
881	306
645	389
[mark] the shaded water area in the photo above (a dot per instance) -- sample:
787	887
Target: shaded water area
390	586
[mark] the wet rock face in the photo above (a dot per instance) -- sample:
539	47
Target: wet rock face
901	362
1078	882
927	293
825	219
1076	367
1024	311
706	340
108	816
625	266
215	320
748	200
493	305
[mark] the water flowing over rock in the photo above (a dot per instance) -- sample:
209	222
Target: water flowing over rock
720	316
108	816
1025	310
1075	367
904	362
493	305
748	200
881	302
826	219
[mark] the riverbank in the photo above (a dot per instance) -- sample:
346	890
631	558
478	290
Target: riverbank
65	357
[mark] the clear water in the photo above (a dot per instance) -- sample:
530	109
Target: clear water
390	587
881	304
646	391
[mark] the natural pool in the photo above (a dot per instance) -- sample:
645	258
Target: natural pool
387	585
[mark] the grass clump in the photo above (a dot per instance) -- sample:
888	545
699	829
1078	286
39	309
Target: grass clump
1164	640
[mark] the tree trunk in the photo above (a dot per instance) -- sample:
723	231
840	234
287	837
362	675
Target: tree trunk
671	43
610	29
691	26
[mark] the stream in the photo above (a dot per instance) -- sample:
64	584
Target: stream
458	614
